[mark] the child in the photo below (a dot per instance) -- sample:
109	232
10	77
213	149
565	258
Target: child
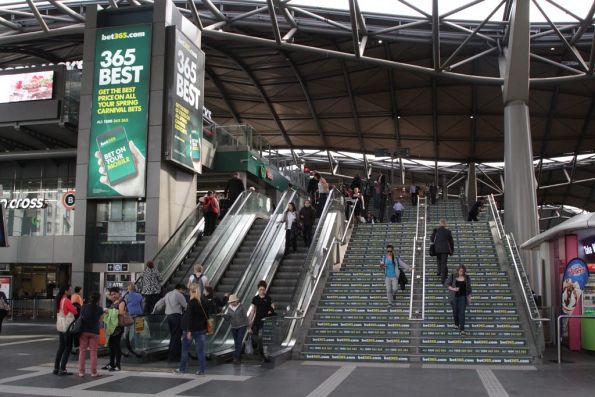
236	313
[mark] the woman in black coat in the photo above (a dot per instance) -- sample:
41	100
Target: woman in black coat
443	247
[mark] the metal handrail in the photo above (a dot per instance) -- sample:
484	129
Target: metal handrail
348	225
558	330
415	240
519	277
318	278
495	215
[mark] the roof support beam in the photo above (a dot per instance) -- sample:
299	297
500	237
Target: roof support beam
548	131
394	106
356	123
67	10
309	101
219	86
214	10
354	29
195	14
286	14
274	21
38	16
474	118
11	25
435	127
263	95
435	35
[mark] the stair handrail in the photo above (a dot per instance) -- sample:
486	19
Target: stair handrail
416	238
522	275
348	225
496	216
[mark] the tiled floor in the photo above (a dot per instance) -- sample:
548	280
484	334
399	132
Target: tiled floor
25	369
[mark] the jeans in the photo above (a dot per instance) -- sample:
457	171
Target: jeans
150	301
321	202
399	216
89	341
63	352
290	240
175	331
115	349
459	304
414	199
210	223
307	230
391	288
441	260
238	339
199	343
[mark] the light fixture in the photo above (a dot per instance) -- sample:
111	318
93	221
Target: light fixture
552	48
471	117
379	41
398	117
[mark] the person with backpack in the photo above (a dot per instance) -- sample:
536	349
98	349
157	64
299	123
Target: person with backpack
394	275
199	278
91	314
238	317
459	291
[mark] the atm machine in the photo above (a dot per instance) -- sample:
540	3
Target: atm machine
116	275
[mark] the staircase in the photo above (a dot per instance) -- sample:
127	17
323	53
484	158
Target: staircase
238	265
185	267
353	322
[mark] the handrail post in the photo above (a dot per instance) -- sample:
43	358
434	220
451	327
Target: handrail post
559	340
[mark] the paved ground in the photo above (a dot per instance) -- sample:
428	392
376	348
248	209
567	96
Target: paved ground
27	352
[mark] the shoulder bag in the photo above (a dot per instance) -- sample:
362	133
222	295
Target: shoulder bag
124	320
210	321
63	321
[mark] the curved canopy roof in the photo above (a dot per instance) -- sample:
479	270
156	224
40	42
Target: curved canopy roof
356	81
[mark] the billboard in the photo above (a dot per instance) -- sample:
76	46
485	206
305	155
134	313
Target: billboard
30	86
119	112
186	79
574	281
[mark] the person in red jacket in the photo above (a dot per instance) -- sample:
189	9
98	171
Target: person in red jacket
64	305
210	207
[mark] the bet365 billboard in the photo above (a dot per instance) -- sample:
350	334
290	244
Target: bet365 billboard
119	119
186	80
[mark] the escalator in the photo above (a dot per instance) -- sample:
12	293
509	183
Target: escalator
286	278
238	265
236	233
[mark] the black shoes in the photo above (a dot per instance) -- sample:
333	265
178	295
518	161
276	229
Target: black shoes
64	373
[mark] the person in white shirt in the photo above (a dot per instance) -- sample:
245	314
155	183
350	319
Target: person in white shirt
290	221
323	191
398	208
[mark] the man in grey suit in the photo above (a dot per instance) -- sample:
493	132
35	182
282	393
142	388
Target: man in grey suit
443	246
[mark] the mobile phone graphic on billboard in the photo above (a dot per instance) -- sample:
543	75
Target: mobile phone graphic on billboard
117	158
195	145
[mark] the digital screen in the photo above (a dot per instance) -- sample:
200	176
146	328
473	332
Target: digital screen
589	248
30	86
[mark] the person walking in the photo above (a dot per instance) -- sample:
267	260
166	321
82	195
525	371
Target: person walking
357	183
413	192
89	338
194	328
392	266
323	191
443	247
459	290
211	212
474	211
307	218
151	286
398	208
262	306
238	317
115	339
235	187
64	306
358	200
4	308
433	193
175	304
290	221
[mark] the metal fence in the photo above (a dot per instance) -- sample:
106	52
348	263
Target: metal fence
32	308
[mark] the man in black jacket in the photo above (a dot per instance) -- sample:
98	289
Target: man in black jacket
234	188
307	217
443	246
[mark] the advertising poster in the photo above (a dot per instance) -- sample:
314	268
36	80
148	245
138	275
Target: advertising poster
119	113
6	285
185	101
573	283
31	86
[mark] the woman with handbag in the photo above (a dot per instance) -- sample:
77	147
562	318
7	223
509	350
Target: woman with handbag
393	268
65	312
194	326
459	290
91	314
115	350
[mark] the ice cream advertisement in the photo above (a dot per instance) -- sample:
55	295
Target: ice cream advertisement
30	86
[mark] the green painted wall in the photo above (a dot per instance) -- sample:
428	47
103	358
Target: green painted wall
244	161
